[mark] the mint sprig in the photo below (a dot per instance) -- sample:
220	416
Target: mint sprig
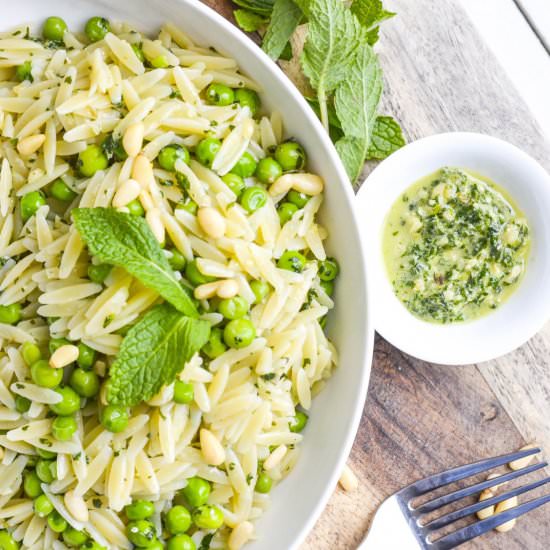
286	16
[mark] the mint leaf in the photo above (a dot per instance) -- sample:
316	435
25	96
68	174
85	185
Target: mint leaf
333	38
387	137
286	16
249	21
153	352
122	239
287	53
352	151
370	12
261	7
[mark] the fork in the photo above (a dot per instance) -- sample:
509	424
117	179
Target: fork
398	524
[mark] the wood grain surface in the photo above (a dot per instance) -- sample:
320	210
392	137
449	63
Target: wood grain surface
422	418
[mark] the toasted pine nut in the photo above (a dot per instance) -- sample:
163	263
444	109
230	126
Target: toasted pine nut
211	448
310	184
100	368
275	457
503	506
211	222
142	171
126	193
29	145
227	289
133	139
76	506
155	223
495	487
240	535
207	290
348	480
490	510
522	462
63	356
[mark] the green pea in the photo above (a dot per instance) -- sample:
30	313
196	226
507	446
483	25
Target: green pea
114	418
253	198
260	290
248	98
234	182
31	485
86	356
56	343
328	287
140	509
10	314
292	260
170	154
328	269
44	375
22	404
96	28
206	150
23	72
233	308
135	208
91	160
98	273
70	401
74	537
286	210
64	427
268	170
54	29
239	333
92	545
177	260
298	422
42	506
30	203
208	517
181	542
160	62
31	353
61	191
215	345
177	520
299	199
194	276
263	483
141	532
155	545
183	392
245	166
138	51
84	382
197	491
7	542
290	155
219	94
42	453
57	522
189	206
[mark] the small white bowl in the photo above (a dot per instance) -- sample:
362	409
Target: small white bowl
527	309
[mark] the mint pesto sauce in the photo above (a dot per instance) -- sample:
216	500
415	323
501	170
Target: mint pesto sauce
455	246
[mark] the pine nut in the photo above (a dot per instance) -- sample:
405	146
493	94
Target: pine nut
503	506
63	356
522	462
211	448
275	457
227	289
203	292
310	184
133	139
126	193
100	368
348	480
29	145
155	223
103	395
76	506
240	535
495	487
490	510
211	222
142	171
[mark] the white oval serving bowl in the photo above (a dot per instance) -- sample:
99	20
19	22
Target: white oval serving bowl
527	309
298	501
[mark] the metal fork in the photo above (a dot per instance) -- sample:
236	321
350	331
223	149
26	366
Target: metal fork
398	524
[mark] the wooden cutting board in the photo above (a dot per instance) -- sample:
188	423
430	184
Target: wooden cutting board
422	418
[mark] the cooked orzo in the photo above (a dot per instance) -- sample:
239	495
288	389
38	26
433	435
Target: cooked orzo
164	287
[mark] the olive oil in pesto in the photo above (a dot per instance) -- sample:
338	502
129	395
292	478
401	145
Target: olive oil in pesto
455	246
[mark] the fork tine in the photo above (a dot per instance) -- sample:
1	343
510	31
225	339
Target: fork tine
480	527
436	503
462	472
473	508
